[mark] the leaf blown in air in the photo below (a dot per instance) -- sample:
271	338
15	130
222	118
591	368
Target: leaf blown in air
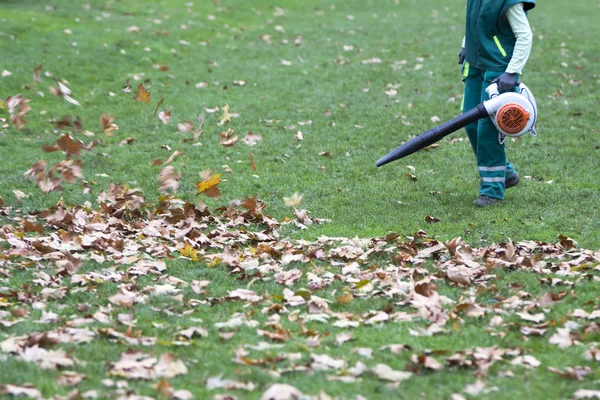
208	185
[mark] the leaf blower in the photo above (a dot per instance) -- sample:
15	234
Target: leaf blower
513	113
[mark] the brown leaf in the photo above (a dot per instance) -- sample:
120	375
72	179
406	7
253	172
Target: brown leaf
69	146
252	163
28	226
64	122
17	108
431	220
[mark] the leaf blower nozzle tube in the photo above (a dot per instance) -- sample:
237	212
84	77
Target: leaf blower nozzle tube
433	135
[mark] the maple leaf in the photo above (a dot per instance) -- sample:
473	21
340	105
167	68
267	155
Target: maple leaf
294	200
190	252
69	146
208	185
141	94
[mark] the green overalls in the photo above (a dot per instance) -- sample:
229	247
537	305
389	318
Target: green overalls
489	44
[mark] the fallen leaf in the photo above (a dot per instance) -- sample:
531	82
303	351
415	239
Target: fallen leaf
251	139
385	372
279	391
164	116
141	94
16	391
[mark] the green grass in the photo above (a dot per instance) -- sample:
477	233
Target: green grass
226	43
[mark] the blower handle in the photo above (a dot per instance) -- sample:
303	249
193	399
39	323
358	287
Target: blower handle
492	89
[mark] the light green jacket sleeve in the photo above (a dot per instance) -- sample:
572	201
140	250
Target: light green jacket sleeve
520	25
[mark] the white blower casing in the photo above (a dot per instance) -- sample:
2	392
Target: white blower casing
513	113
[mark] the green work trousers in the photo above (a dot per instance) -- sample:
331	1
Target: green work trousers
492	164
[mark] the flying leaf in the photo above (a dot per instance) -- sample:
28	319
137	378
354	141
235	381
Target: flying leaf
64	92
208	186
169	179
293	201
108	126
141	94
17	108
69	146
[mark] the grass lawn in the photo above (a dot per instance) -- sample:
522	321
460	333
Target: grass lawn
284	98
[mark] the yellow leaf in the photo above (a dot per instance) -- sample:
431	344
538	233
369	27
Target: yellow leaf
189	252
207	184
2	105
142	94
213	263
293	201
345	298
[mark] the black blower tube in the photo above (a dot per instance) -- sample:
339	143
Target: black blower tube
433	135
